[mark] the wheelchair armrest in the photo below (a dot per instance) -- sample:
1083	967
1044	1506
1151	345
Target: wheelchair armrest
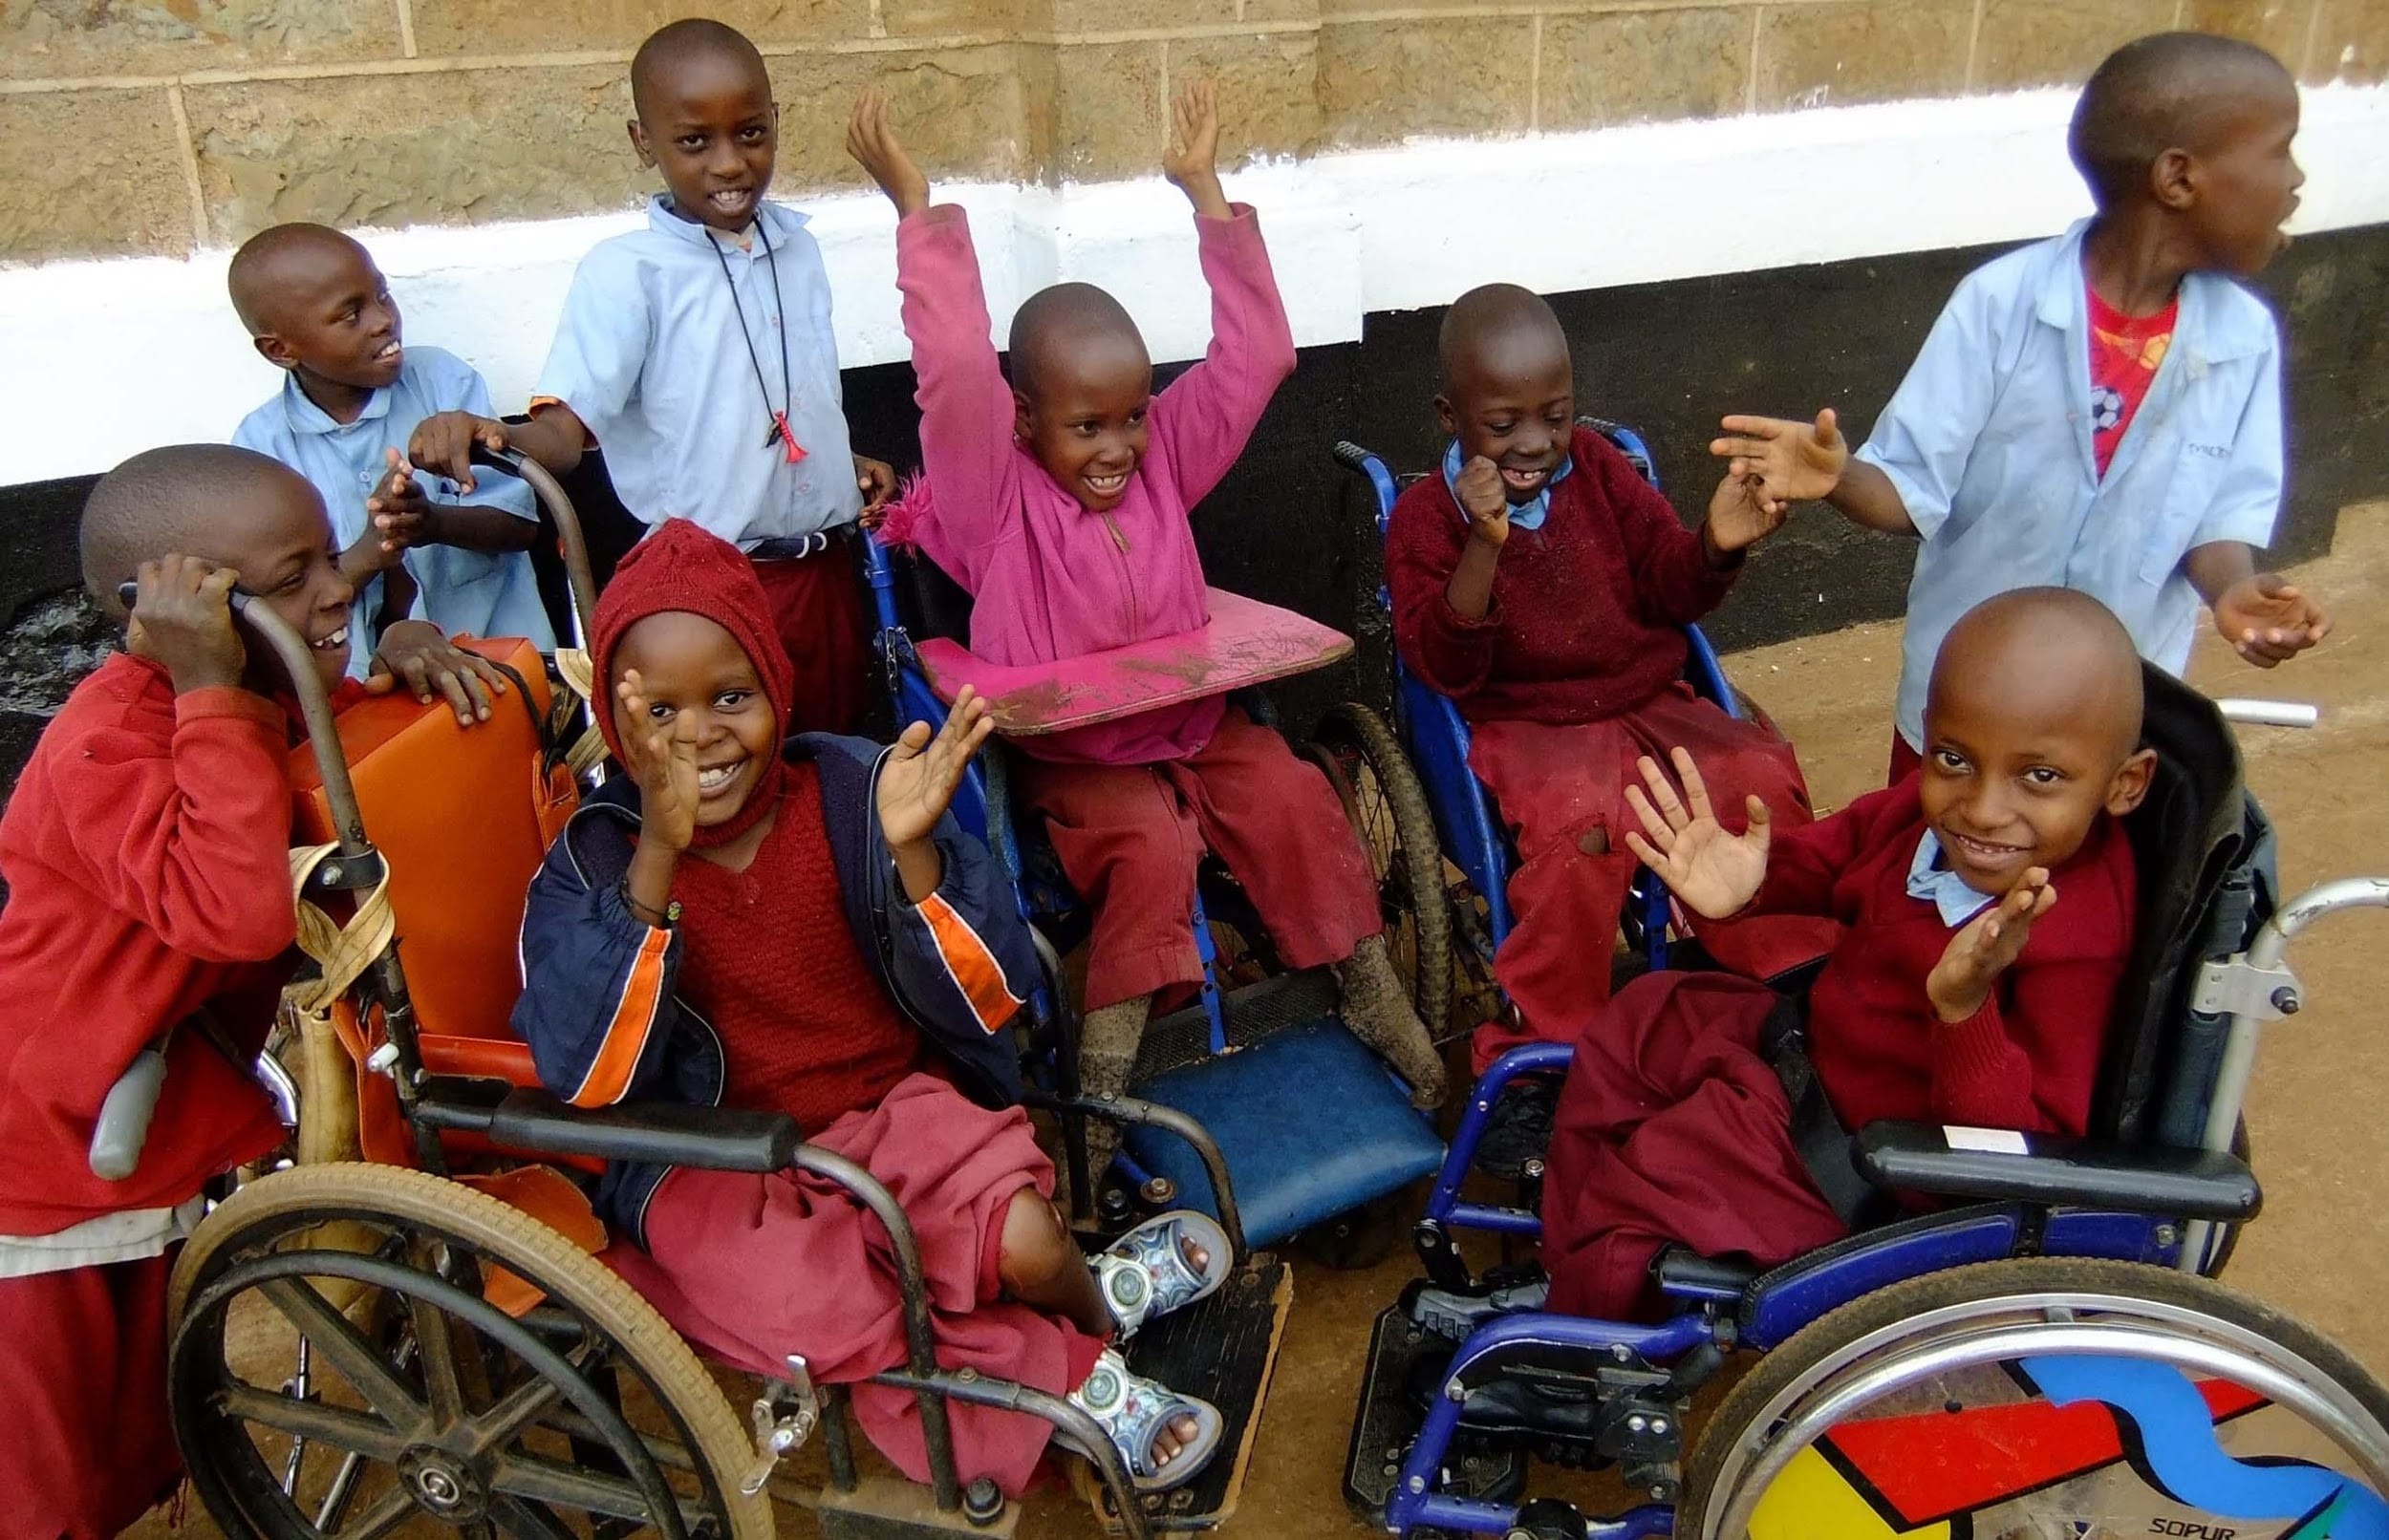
718	1138
2049	1168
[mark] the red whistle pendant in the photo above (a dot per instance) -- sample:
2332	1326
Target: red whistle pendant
780	431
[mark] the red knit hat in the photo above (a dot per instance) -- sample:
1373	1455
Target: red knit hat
686	567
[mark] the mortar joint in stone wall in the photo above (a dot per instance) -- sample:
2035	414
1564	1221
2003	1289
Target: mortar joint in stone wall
407	26
1974	41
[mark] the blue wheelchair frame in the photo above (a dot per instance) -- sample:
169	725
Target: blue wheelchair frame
1436	737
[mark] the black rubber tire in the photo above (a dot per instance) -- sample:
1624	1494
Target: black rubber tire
1914	1296
1354	737
277	1208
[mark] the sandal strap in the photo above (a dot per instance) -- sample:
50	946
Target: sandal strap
1129	1408
1145	1274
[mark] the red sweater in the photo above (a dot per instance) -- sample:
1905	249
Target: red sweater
144	852
1588	610
771	962
2029	1058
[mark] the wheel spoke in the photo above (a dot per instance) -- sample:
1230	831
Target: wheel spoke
350	1353
562	1485
387	1512
436	1351
354	1432
527	1521
521	1407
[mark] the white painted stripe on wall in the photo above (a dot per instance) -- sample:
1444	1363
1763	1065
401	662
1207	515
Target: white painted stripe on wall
102	359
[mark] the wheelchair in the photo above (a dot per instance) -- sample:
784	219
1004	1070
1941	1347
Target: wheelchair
1248	1056
2048	1354
416	1326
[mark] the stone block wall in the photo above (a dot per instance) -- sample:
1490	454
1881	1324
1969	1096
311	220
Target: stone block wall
161	126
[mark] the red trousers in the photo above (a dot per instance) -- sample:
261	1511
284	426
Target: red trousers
83	1376
754	1268
1672	1127
817	603
1561	790
1129	837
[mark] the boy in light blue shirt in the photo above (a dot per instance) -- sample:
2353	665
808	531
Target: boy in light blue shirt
697	353
2100	411
319	310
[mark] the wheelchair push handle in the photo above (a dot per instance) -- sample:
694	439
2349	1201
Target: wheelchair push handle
122	1127
2246	712
560	513
1350	455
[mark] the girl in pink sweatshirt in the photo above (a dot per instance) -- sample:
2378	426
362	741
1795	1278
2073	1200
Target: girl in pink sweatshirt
1060	500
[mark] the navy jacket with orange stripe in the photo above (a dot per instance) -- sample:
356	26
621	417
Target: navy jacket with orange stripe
599	1008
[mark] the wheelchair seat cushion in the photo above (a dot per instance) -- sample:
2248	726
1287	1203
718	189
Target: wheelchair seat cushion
1309	1121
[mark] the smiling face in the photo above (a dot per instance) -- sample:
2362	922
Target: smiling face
706	120
1508	387
1083	414
2030	735
703	690
328	316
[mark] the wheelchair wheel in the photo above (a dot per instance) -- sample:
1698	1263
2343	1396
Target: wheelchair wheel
1381	797
418	1405
2043	1397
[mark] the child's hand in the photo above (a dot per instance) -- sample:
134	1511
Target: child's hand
1715	873
876	480
1191	159
1741	514
399	512
664	766
1987	947
183	618
1480	489
415	653
917	780
2268	620
1798	461
443	443
874	147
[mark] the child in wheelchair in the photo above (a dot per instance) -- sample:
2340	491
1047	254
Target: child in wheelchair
1987	902
1543	584
798	927
145	852
1061	503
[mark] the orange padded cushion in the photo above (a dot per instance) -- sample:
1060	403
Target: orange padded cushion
459	814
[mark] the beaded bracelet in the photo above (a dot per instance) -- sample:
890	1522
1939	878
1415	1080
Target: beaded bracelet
665	920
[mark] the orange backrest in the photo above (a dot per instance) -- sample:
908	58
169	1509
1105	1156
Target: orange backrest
463	816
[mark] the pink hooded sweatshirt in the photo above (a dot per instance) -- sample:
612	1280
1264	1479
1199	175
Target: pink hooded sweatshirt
1049	578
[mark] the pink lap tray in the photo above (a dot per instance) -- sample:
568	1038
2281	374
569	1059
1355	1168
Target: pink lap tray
1247	643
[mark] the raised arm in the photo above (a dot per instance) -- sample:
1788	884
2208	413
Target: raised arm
1203	420
966	405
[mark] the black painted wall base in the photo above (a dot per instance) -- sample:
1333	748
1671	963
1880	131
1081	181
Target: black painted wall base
1290	527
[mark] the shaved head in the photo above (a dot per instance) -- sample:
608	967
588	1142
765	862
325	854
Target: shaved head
195	500
269	263
682	44
2048	652
2174	91
1497	333
1064	323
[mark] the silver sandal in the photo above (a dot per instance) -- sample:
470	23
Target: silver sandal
1131	1409
1145	1275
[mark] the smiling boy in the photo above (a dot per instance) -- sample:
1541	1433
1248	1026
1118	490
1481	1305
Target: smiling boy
697	353
1988	905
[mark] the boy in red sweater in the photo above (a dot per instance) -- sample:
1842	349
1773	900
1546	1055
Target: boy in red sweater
149	890
1962	992
1544	586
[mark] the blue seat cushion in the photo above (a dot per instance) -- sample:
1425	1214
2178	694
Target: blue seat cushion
1310	1122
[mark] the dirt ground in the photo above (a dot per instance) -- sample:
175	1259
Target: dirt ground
2320	1247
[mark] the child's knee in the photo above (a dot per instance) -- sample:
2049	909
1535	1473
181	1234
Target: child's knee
1037	1247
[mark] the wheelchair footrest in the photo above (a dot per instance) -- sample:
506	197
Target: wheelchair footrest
1400	1353
1254	1012
1309	1121
1223	1350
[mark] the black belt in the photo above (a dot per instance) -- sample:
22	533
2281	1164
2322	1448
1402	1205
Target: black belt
799	547
1816	1133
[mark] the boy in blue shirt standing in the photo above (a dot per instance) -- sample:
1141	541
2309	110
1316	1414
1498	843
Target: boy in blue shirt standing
699	353
2100	411
319	310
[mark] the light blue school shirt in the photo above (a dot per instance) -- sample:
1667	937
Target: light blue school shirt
648	355
487	593
1988	443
